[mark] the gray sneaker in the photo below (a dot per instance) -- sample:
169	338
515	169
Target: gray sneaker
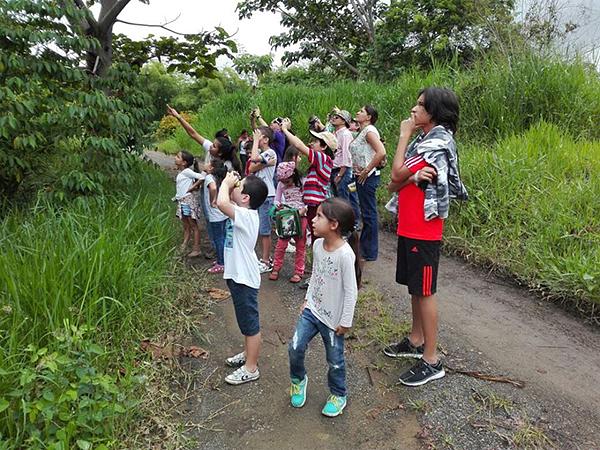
241	376
264	267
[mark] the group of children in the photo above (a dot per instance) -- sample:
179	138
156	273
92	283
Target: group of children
239	210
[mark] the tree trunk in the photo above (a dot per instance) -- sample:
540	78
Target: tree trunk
98	61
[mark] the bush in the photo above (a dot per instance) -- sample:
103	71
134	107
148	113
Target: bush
534	211
168	125
73	280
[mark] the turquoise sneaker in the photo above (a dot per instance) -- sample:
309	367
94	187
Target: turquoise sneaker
298	392
334	406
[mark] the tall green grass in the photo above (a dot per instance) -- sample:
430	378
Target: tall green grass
534	208
534	211
498	98
90	268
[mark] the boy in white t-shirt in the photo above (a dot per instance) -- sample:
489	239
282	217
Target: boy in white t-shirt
240	200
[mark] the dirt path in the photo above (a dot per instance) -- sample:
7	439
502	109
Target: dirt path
486	325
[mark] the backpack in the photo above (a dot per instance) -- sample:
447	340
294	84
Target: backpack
287	222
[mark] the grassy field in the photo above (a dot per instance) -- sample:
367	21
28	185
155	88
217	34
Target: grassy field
529	145
79	288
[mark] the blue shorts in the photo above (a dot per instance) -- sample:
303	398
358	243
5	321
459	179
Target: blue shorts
245	303
264	218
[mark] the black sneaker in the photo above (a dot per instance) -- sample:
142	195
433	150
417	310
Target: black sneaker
421	373
403	349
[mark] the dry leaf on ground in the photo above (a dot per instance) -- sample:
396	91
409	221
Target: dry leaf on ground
218	294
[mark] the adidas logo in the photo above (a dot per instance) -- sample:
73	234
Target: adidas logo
414	249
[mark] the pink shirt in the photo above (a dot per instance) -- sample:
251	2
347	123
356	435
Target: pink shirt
343	158
292	196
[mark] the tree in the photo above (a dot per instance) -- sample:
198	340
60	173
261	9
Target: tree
192	54
422	32
331	34
62	130
253	67
195	56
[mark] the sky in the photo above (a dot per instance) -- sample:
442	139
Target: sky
252	35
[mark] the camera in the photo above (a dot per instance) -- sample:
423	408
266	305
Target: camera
314	123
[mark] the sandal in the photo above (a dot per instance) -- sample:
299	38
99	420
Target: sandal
217	268
194	254
274	275
296	278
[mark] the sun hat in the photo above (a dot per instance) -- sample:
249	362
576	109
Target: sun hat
326	136
344	115
285	170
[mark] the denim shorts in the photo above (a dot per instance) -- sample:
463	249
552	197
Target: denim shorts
264	218
245	303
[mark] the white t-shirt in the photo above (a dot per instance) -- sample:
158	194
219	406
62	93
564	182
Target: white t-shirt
212	214
267	173
332	291
184	181
207	145
241	234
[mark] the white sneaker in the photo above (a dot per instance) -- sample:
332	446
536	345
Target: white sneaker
241	376
264	267
236	360
291	248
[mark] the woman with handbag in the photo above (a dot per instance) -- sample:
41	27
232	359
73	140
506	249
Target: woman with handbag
368	156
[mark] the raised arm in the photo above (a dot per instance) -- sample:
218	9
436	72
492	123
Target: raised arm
186	126
293	140
223	198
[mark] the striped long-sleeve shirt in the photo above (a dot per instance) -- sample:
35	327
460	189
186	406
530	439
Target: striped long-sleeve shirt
315	183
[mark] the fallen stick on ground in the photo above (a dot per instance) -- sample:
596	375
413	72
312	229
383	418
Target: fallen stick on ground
486	377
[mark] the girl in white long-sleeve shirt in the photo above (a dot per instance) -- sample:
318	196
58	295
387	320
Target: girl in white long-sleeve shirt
187	206
330	300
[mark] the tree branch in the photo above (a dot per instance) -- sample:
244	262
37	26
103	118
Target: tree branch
108	18
85	24
163	26
317	34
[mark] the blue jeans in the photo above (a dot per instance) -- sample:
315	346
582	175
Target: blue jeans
245	305
369	237
341	191
217	234
307	328
204	213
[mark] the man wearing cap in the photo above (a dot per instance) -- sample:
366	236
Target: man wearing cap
341	174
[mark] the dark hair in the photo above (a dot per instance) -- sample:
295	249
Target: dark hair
370	110
267	132
243	131
442	106
226	152
187	157
256	189
335	208
222	133
328	151
290	153
219	170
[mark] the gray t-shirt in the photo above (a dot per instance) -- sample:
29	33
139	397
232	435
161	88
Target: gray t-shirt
267	173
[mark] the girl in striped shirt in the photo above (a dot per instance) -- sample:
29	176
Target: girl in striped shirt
320	156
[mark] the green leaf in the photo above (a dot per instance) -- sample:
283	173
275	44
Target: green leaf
4	404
